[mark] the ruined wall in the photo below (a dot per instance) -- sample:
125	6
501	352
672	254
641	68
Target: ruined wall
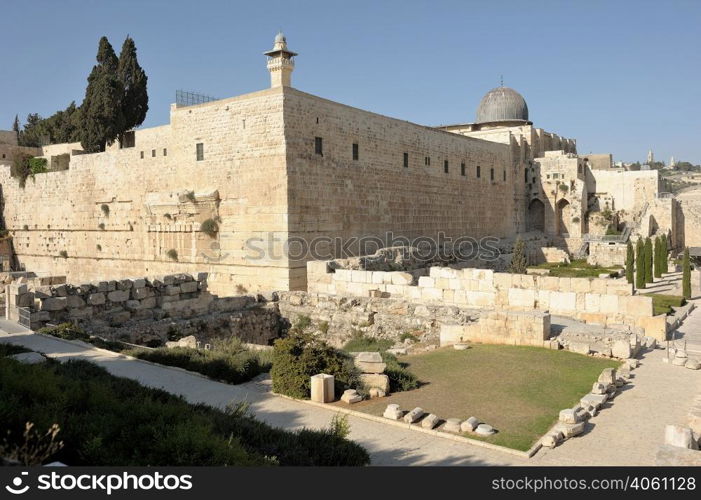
605	254
156	203
333	195
600	301
630	189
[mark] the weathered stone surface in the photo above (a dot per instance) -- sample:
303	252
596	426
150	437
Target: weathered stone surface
118	296
54	304
679	361
682	437
374	393
569	430
414	415
377	381
673	456
351	396
469	425
551	440
579	347
188	287
96	299
430	421
598	388
607	377
393	412
595	400
569	416
621	349
322	388
29	358
461	346
692	364
484	430
367	367
452	425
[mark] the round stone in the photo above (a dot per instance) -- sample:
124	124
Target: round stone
484	430
461	347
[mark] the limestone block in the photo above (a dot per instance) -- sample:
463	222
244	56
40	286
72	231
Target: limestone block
469	425
563	301
608	377
188	287
24	300
402	278
551	440
581	285
375	381
609	304
692	364
595	400
621	349
452	425
54	304
118	296
393	412
75	301
592	302
360	277
569	416
142	293
133	305
519	297
376	393
124	284
598	388
426	282
484	430
351	396
682	437
172	290
579	347
430	421
414	415
148	303
569	430
139	283
322	388
432	294
61	291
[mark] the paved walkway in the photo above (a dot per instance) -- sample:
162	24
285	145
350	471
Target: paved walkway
627	433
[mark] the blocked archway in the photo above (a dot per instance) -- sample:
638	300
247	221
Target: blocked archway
564	217
536	216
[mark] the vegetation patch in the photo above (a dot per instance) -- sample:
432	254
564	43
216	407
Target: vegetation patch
518	390
575	269
210	228
228	360
105	209
172	254
109	421
663	304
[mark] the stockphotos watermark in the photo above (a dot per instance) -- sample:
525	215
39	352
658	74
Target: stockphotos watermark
101	483
272	246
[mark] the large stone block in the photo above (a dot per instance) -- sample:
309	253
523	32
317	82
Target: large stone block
96	299
118	296
54	304
376	381
322	388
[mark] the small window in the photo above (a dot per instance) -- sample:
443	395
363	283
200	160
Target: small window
462	169
491	174
525	176
153	153
318	146
504	176
406	160
445	166
199	149
142	155
165	152
355	151
128	140
427	160
479	172
3	155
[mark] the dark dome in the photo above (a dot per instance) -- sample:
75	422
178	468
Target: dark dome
502	104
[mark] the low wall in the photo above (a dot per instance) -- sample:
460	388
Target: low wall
600	301
502	327
147	310
605	254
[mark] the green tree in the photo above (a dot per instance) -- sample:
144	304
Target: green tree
102	119
630	263
686	275
15	127
33	134
640	264
648	260
519	261
664	252
133	80
657	263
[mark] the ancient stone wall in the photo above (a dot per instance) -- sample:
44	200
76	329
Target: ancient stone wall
629	189
605	254
600	301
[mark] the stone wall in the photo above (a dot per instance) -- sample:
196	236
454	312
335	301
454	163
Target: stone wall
146	309
604	253
502	327
629	189
599	301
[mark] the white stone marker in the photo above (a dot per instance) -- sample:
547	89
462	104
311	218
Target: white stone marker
322	388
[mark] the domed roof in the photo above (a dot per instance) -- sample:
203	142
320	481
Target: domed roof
280	37
502	104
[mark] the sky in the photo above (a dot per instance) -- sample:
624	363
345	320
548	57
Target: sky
618	76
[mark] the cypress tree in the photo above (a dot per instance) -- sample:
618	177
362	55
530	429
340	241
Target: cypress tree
101	119
133	80
657	264
630	262
664	252
519	261
648	260
15	127
639	264
686	275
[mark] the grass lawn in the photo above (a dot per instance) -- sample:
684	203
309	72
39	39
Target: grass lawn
575	269
662	304
518	390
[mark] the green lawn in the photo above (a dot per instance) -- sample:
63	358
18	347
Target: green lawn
662	304
575	269
518	390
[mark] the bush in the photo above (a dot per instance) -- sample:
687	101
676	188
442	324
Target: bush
69	331
172	254
105	209
24	166
229	360
210	228
63	254
106	420
299	356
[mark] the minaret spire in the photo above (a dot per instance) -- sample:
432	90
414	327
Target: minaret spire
280	62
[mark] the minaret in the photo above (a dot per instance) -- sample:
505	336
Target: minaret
672	162
650	157
280	63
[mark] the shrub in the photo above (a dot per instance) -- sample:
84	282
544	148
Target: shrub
686	274
69	331
106	420
361	343
323	327
408	336
229	360
24	166
303	322
299	356
172	254
519	260
168	216
105	209
241	290
400	379
63	254
25	227
190	195
99	247
101	225
210	228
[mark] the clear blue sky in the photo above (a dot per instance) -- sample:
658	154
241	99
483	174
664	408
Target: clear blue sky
619	76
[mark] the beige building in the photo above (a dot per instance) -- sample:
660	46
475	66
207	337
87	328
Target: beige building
252	187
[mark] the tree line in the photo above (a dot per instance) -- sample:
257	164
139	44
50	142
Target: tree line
116	101
649	260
